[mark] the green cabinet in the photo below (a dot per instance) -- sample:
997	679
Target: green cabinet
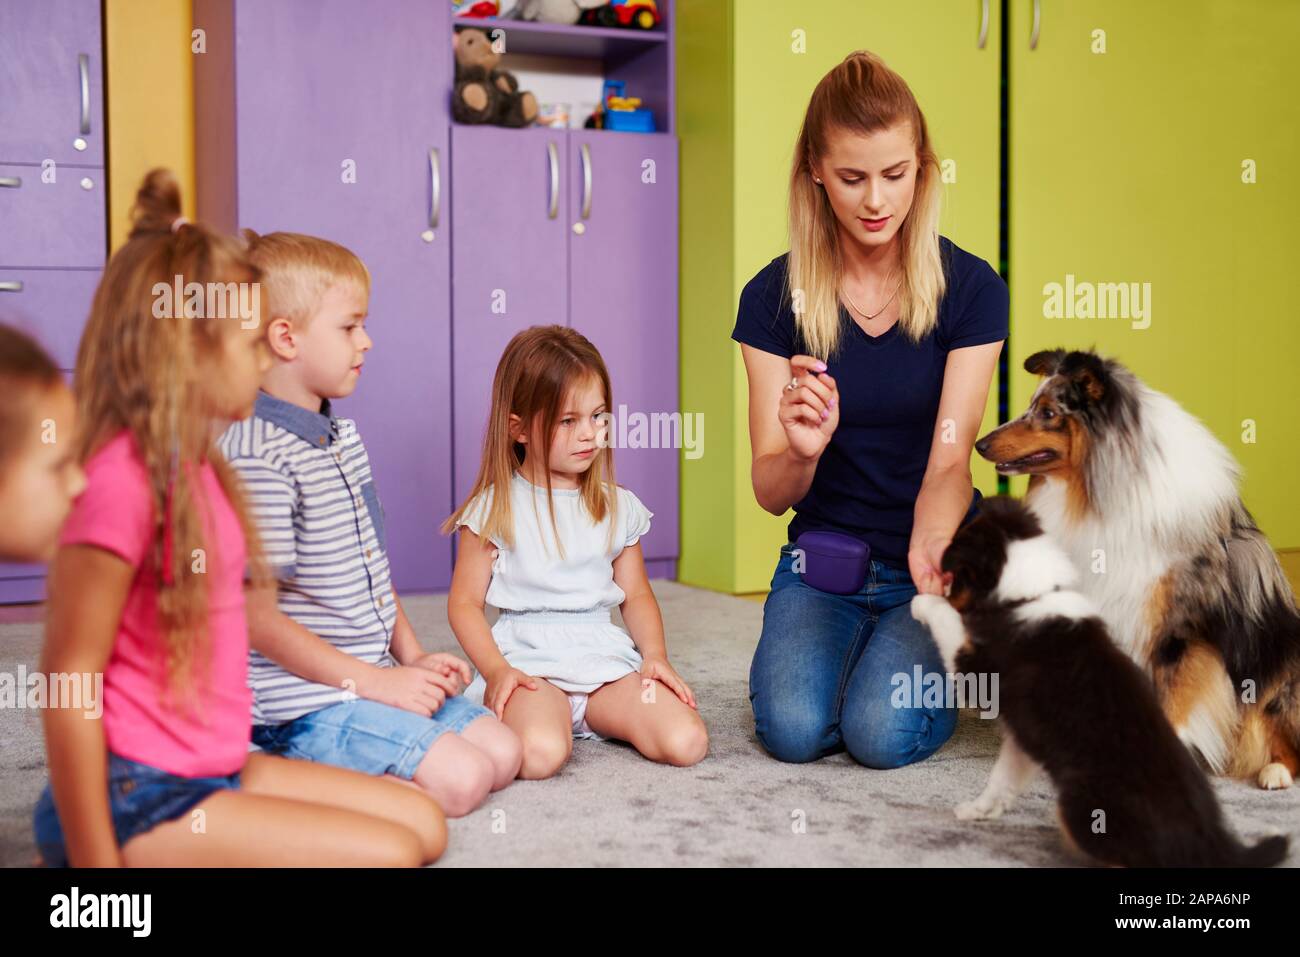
745	70
1153	153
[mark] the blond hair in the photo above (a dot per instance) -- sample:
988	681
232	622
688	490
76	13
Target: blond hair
297	270
140	372
538	369
860	95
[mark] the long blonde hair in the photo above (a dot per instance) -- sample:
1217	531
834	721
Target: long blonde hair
860	95
139	372
538	369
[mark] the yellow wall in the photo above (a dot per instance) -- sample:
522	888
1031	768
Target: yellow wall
150	92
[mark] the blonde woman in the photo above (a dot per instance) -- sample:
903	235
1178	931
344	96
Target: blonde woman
870	348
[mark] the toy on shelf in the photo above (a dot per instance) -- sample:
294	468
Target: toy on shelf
643	14
484	92
621	113
555	115
475	9
566	12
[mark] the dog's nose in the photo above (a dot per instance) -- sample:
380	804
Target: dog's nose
982	446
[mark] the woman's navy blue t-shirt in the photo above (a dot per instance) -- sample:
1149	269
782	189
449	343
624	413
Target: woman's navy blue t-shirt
870	473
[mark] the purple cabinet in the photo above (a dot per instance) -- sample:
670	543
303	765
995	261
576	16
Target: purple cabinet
52	188
51	82
316	118
53	218
50	305
510	230
595	248
623	297
326	119
21	583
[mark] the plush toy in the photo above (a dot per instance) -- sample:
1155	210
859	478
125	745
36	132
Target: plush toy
485	93
556	11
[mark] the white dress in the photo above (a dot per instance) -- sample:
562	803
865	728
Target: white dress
555	612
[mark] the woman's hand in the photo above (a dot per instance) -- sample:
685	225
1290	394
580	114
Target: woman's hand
810	412
659	669
924	561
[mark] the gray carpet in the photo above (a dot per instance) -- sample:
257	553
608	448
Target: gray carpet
609	806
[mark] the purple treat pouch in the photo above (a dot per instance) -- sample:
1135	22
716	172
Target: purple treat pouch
832	561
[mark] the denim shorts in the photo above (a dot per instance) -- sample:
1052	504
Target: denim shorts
367	736
140	797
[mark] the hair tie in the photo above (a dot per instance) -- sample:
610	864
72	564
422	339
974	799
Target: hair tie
178	222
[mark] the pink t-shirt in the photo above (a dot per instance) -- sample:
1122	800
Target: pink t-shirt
209	735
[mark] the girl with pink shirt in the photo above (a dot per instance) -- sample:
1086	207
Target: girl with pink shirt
147	588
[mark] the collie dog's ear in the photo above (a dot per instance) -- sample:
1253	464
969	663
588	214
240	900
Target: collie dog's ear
1044	362
1087	373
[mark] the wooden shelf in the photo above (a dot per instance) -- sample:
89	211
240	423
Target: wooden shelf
553	39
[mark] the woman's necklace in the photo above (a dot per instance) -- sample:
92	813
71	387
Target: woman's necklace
858	309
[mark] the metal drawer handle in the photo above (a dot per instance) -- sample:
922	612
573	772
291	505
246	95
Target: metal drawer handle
586	181
435	188
11	182
83	65
554	159
11	285
1033	34
984	24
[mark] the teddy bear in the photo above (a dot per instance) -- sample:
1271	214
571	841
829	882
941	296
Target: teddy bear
484	93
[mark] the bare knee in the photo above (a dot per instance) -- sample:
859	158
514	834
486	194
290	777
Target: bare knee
687	744
429	824
544	754
506	752
507	757
400	847
458	785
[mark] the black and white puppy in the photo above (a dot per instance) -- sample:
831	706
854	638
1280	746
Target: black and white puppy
1129	792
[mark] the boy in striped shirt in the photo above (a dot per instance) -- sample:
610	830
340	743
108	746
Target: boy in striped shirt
337	673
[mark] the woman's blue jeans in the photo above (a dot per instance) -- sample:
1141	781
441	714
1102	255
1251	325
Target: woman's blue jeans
835	672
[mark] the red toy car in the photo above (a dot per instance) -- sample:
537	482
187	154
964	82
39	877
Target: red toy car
624	13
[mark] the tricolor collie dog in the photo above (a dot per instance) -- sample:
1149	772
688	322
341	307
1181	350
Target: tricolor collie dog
1144	500
1129	793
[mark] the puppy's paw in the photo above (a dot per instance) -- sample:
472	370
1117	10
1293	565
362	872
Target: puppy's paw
983	808
1274	777
924	606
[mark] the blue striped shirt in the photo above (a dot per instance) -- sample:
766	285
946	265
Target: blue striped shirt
308	486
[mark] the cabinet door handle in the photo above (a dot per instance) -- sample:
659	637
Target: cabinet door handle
11	285
586	181
83	66
11	182
984	24
435	188
1033	33
553	157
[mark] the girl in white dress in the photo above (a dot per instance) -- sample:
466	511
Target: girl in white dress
555	554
